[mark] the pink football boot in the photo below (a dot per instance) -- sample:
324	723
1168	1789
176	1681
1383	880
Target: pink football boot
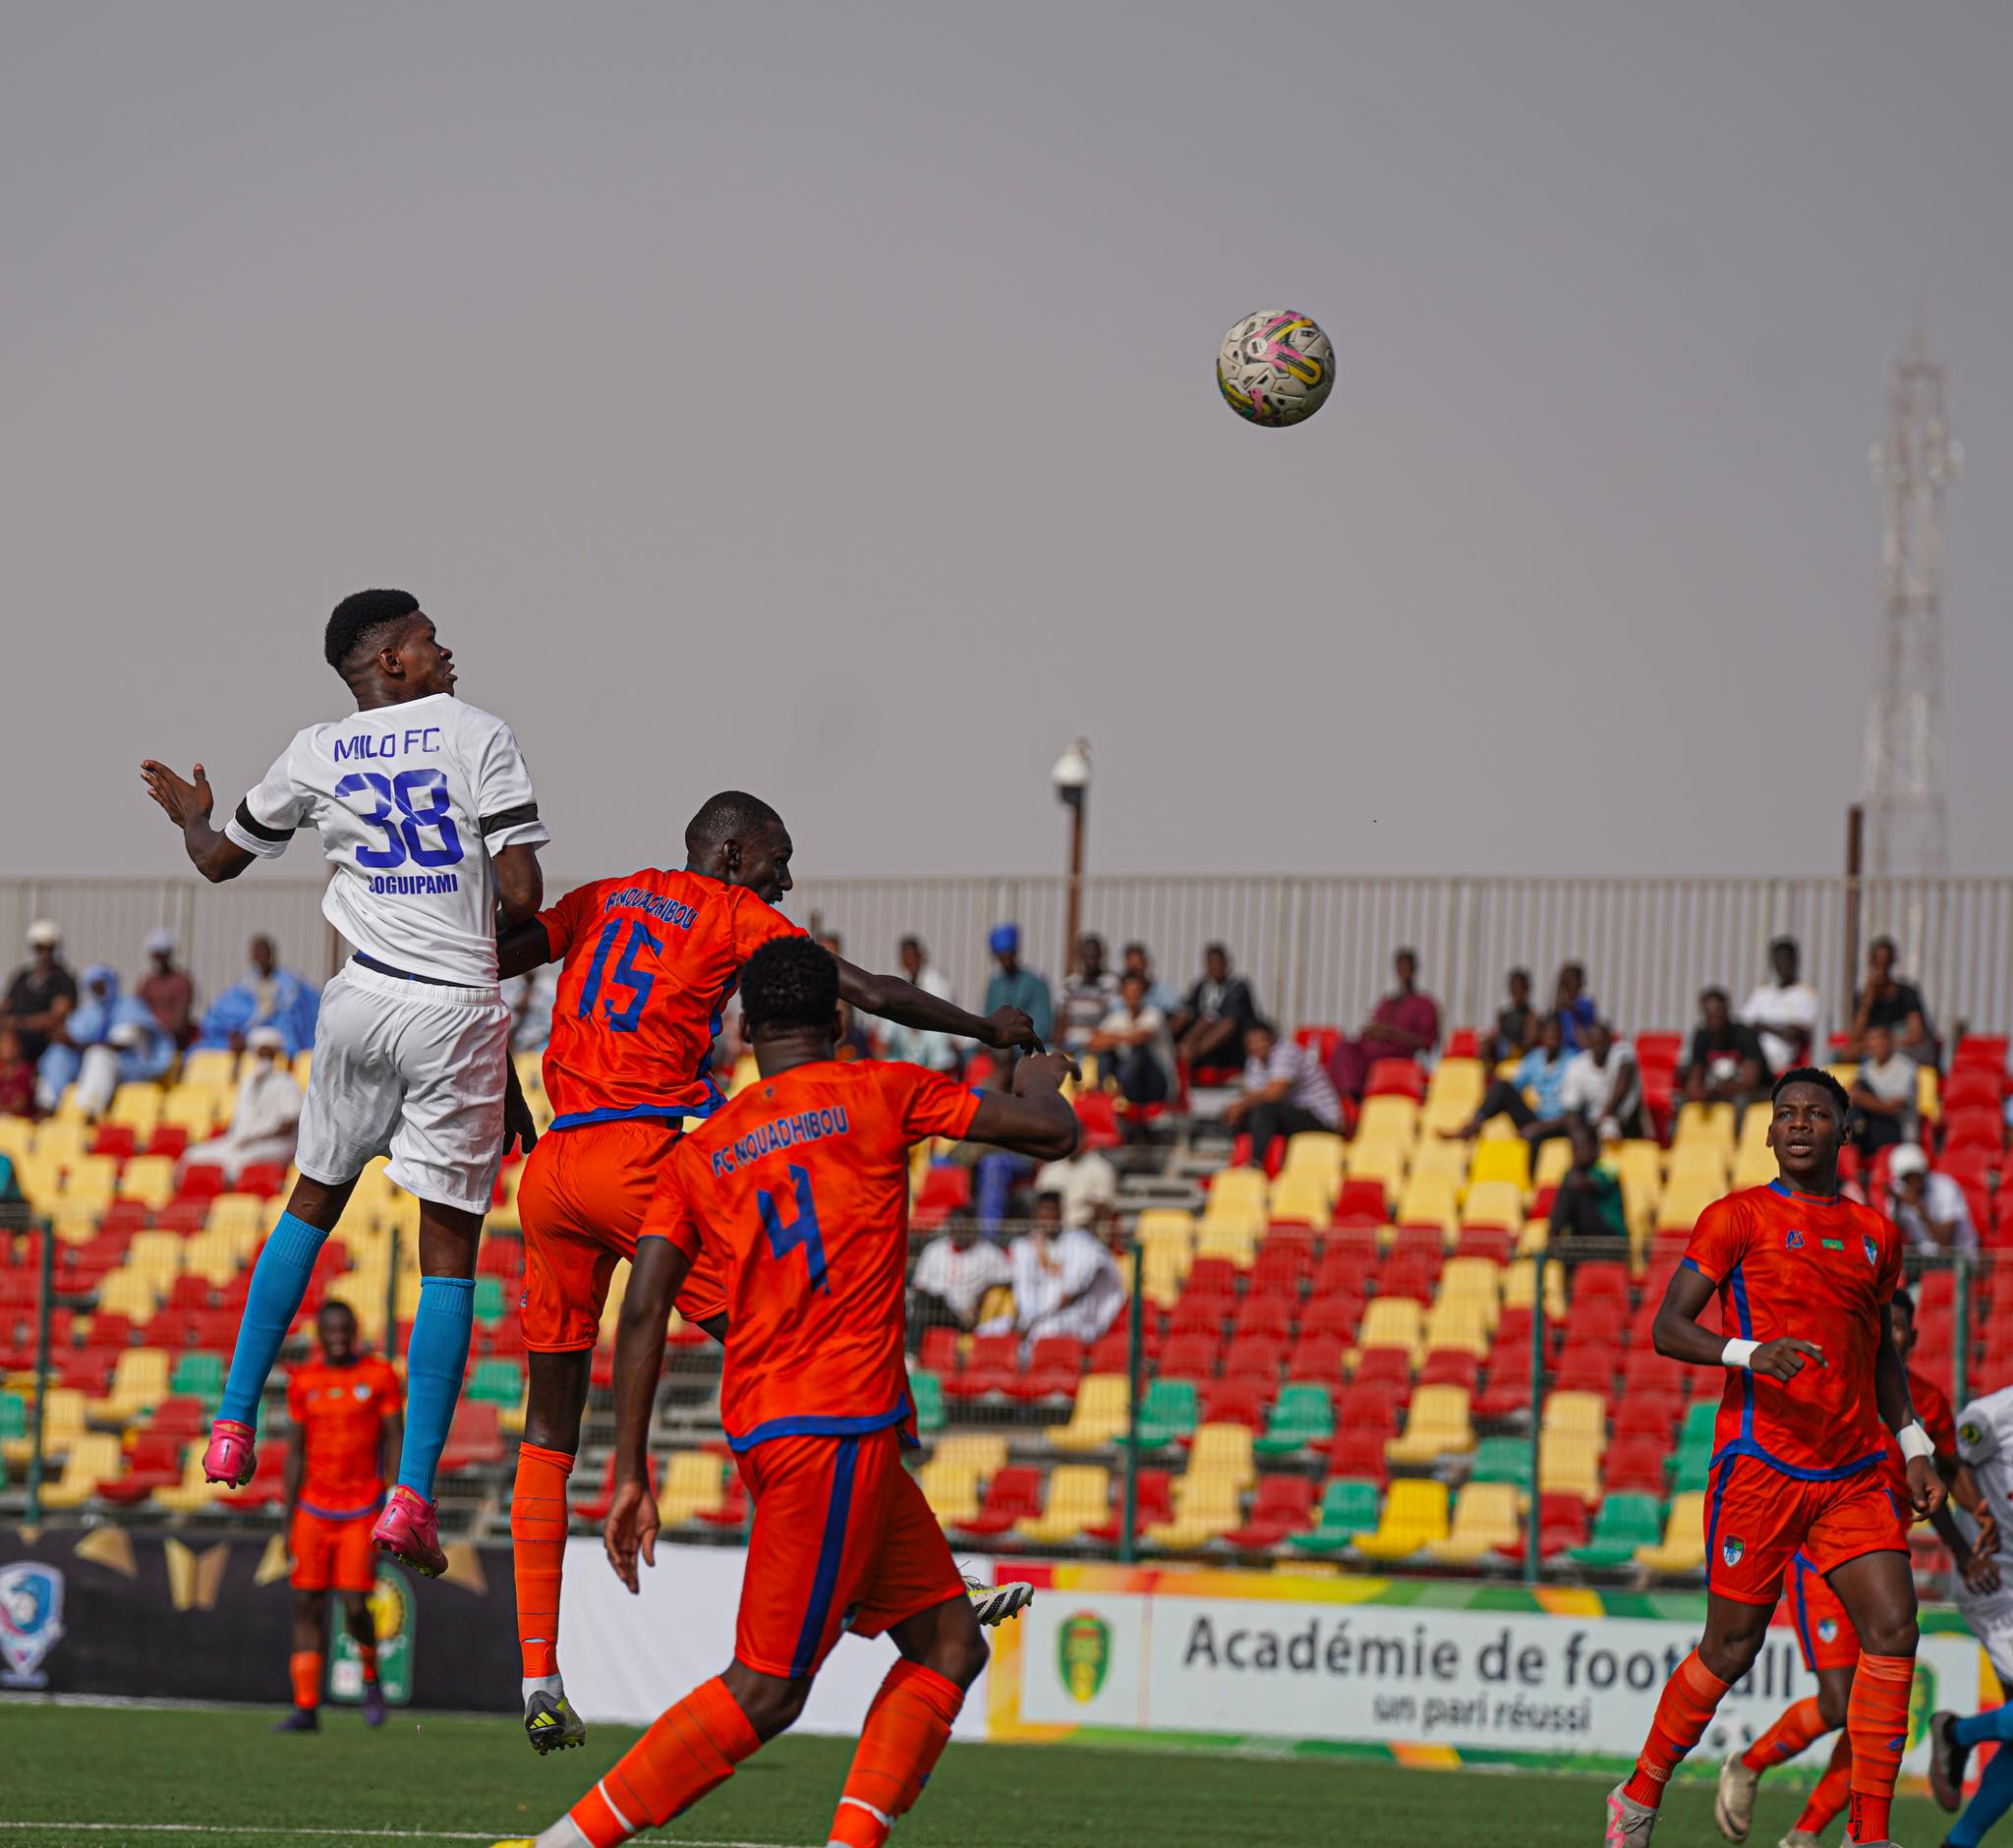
229	1460
409	1530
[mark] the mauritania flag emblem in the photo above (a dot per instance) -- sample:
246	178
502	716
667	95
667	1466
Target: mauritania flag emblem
1083	1655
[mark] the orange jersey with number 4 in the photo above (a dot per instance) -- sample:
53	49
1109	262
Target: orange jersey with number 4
650	961
800	1188
1820	1270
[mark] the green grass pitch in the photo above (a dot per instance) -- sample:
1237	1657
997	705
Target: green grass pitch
151	1778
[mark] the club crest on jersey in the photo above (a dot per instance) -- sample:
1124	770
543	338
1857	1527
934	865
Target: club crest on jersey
1827	1629
1869	1247
1793	1238
1732	1550
359	1392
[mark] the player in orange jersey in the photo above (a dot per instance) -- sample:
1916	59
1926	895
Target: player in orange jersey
650	960
1813	1387
1829	1644
801	1185
344	1409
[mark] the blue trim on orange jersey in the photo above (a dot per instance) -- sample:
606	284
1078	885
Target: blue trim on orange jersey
1747	1447
1737	1285
1800	1607
610	1112
1725	1475
831	1550
815	1426
1788	1192
344	1514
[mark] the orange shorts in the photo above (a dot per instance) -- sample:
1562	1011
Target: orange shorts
331	1555
1824	1632
1758	1520
583	1196
842	1540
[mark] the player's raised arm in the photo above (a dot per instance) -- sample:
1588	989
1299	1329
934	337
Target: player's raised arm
893	998
1036	1120
188	805
654	1274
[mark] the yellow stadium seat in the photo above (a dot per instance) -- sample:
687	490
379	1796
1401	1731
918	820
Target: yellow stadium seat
1319	1152
1928	1098
131	1292
1752	1168
1554	1158
1414	1516
140	1382
1305	1198
137	1107
1223	1450
1389	1120
1461	1326
1441	1159
1237	1190
156	1251
1485	1517
1428	1200
1493	1204
210	1066
1383	1162
694	1484
1163	1274
1235	1239
1471	1280
1204	1506
61	1142
92	1457
1102	1410
213	1256
1682	1549
1520	1288
1171	1226
149	1178
952	1489
90	1177
1711	1125
1078	1496
983	1453
1436	1425
61	1425
1460	1081
1578	1414
1567	1464
1391	1322
1535	1237
1684	1200
1501	1158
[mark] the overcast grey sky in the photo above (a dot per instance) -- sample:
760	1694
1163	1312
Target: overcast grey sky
820	399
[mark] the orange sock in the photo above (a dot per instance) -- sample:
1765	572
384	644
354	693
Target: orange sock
1876	1723
691	1749
1832	1789
1683	1713
367	1654
907	1728
305	1666
1799	1725
537	1552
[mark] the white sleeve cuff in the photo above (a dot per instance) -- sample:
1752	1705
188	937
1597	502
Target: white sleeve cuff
238	836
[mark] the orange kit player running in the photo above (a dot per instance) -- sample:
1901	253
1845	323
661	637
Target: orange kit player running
801	1185
344	1409
1829	1644
650	960
1813	1386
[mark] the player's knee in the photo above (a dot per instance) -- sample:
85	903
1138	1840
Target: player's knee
960	1655
770	1704
1832	1701
1894	1634
1730	1654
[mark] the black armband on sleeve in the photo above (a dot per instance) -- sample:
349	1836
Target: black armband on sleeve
257	829
510	818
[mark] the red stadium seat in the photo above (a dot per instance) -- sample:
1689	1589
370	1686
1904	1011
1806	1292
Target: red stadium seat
1211	1276
1395	1077
168	1138
946	1191
1648	1414
1504	1393
1052	1370
264	1178
938	1352
113	1138
1465	1043
1449	1366
1284	1265
1255	1357
1317	1357
1264	1315
1199	1315
992	1366
1390	1367
1414	1274
1099	1118
733	1511
1321	1041
1153	1501
1361	1204
1975	1128
1240	1401
1987	1050
1283	1505
1489	1242
1188	1357
1358	1451
1010	1494
1373	1406
594	1506
154	1462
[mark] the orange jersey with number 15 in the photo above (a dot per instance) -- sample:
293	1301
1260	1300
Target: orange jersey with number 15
800	1188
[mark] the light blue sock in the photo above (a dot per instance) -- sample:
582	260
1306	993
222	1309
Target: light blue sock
434	1366
1995	1798
1995	1726
279	1282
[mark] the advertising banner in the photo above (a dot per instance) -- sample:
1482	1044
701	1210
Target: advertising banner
1425	1671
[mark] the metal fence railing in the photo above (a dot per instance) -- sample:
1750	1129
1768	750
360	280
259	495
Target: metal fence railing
1317	948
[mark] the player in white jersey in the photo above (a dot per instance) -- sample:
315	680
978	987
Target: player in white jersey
425	812
1984	1595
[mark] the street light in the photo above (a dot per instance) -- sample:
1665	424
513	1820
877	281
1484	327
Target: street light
1071	777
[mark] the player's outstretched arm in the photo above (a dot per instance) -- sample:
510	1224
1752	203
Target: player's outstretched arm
1676	1334
522	947
893	998
1897	1410
1036	1120
188	805
520	882
654	1274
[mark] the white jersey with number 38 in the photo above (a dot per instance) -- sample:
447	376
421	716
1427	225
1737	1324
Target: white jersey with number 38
1984	1440
409	801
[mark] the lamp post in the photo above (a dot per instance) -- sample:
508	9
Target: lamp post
1071	777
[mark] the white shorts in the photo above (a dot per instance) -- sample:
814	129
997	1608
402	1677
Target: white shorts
412	1070
1992	1621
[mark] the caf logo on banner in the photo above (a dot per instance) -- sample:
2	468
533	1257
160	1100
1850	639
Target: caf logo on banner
1083	1655
30	1621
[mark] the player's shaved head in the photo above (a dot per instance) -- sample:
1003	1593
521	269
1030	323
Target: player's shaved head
731	815
361	622
790	986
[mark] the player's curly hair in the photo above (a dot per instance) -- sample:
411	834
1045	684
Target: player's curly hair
1841	1104
789	983
359	620
731	815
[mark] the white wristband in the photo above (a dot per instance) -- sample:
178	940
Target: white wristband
1738	1353
1915	1441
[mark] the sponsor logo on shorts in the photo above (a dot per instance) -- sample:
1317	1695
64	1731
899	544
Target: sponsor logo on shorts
1732	1550
1793	1238
1870	1248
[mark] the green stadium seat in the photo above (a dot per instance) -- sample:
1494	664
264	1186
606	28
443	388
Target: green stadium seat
1502	1460
499	1382
490	1301
1349	1505
1305	1415
928	1392
198	1376
1622	1523
1700	1418
1688	1468
1172	1410
13	1415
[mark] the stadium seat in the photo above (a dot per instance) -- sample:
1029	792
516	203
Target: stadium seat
952	1491
1168	1413
1436	1426
1623	1525
91	1459
500	1382
1304	1199
1153	1501
926	1391
1391	1322
1283	1505
594	1506
1485	1517
1076	1498
1011	1495
1101	1413
693	1484
1501	1159
1053	1367
1238	1401
1302	1417
1317	1152
990	1367
1349	1507
1683	1547
1388	1119
1414	1516
474	1439
1205	1506
1502	1460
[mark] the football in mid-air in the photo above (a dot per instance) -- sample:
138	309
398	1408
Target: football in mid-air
1275	368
